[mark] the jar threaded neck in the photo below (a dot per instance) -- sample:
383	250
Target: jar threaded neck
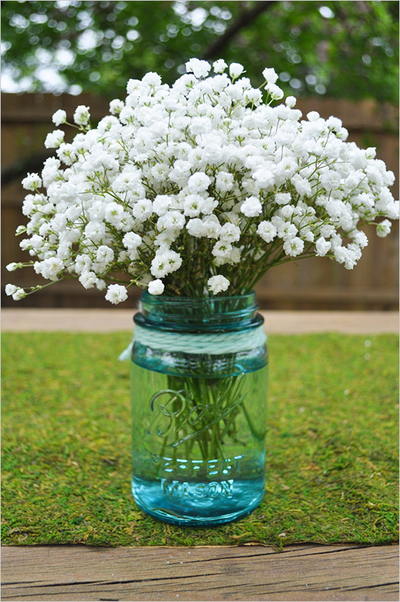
198	314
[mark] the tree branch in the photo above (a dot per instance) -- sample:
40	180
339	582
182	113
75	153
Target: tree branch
243	21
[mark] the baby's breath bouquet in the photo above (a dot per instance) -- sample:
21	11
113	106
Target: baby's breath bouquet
189	192
198	189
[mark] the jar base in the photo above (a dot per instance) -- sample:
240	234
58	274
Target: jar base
197	511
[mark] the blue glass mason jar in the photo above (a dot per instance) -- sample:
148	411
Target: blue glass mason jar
199	401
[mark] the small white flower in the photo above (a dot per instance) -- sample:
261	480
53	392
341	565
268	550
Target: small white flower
383	228
200	125
198	68
196	228
152	79
308	236
235	70
59	117
104	254
116	106
49	268
224	181
116	293
282	198
54	139
131	240
165	262
334	123
264	178
66	154
267	231
313	116
211	226
251	207
293	246
230	233
162	203
32	181
82	115
270	75
253	96
219	66
88	279
192	205
302	185
218	284
287	211
275	91
330	180
198	182
339	253
143	209
11	267
322	246
156	287
15	292
222	249
290	101
10	289
360	238
287	231
19	294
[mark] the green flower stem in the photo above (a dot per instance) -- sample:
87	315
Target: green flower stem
209	415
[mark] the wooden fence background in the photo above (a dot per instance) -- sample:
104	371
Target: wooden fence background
315	283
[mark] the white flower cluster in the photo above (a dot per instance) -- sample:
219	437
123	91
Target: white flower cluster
199	189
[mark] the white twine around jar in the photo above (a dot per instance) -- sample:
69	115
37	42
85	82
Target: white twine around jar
211	344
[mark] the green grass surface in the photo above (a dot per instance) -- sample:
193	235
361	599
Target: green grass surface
332	445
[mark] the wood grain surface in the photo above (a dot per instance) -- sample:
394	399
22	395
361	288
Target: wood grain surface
302	572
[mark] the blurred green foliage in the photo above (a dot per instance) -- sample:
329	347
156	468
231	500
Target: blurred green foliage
339	49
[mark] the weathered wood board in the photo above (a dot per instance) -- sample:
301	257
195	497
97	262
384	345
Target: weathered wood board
303	572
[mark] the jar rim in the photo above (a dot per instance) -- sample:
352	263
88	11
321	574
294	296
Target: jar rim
198	313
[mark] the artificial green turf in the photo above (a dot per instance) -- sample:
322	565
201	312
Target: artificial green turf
332	444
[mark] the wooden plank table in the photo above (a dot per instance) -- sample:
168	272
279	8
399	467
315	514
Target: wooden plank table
301	572
304	572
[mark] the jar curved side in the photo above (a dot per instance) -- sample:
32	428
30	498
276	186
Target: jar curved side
199	402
